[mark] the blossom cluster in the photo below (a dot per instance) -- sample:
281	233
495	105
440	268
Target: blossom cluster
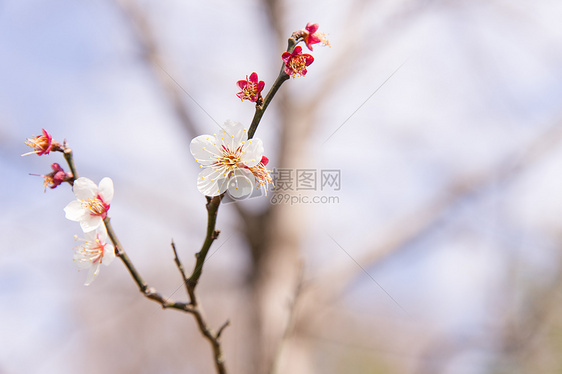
231	161
295	63
89	209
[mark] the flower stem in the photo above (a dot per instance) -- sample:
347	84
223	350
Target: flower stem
120	252
213	337
212	208
281	78
67	152
260	110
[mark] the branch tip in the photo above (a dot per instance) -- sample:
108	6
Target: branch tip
221	329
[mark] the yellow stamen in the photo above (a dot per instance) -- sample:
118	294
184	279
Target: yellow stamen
262	176
38	142
95	206
298	65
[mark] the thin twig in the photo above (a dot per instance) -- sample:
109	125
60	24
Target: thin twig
144	288
67	152
224	325
209	334
191	283
179	265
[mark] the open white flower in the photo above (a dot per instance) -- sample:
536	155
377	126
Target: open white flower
92	204
226	159
94	251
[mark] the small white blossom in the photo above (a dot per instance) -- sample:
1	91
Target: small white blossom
94	251
92	204
227	160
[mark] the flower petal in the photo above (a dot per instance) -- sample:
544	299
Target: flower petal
233	134
106	190
312	27
108	254
210	182
93	235
242	84
252	152
92	273
90	223
74	211
84	189
205	150
241	185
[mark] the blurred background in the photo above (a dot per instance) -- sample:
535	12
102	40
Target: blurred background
440	253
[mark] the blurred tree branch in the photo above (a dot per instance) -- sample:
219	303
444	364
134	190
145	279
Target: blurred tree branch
332	282
463	187
525	334
145	38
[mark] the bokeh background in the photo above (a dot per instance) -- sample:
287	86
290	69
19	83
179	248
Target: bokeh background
439	254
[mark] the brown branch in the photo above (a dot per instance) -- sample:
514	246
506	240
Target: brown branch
144	288
212	206
221	329
212	234
179	265
281	78
210	335
193	306
260	109
67	153
190	283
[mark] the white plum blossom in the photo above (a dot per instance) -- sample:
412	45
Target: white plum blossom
229	160
94	251
91	204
